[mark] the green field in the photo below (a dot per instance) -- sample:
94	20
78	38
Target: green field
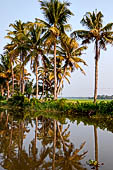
86	100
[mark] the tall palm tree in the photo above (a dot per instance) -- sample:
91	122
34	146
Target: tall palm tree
12	58
18	39
56	14
97	33
35	39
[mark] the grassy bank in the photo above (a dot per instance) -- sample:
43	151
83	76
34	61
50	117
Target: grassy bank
67	107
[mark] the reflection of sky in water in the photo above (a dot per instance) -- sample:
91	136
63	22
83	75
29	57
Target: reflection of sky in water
30	136
1	168
83	133
79	134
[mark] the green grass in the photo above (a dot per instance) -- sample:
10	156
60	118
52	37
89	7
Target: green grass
86	100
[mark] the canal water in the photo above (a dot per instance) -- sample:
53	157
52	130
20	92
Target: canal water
41	143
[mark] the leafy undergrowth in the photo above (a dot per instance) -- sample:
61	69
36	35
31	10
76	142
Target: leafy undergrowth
61	106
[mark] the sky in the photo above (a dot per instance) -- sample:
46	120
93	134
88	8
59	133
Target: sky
80	85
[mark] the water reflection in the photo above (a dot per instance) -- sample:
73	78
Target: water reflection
96	146
49	146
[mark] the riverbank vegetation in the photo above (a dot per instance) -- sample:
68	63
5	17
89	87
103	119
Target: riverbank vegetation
60	106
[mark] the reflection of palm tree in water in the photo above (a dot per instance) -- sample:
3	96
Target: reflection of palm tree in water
64	156
32	147
96	145
37	160
69	158
57	148
1	116
54	146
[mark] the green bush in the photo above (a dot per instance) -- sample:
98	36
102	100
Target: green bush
18	100
2	97
33	101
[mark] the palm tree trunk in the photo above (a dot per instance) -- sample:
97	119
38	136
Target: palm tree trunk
2	90
12	78
20	82
20	74
7	89
61	81
43	89
7	120
55	77
23	80
36	78
96	71
96	145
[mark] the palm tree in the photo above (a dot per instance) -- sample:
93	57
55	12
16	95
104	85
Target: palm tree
18	75
5	71
101	36
13	59
18	39
35	39
2	83
69	53
56	14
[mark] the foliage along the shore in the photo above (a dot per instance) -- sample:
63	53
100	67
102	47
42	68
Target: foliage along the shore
70	109
103	117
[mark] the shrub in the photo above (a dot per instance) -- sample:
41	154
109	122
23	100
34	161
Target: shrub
18	100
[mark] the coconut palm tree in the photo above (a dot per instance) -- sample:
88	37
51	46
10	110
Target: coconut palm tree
18	74
13	60
35	44
97	33
18	39
69	53
2	84
56	14
5	71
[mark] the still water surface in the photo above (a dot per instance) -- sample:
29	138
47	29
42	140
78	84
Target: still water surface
43	144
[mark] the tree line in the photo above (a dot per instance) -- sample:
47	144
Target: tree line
52	53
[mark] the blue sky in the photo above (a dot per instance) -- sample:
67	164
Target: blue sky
28	10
